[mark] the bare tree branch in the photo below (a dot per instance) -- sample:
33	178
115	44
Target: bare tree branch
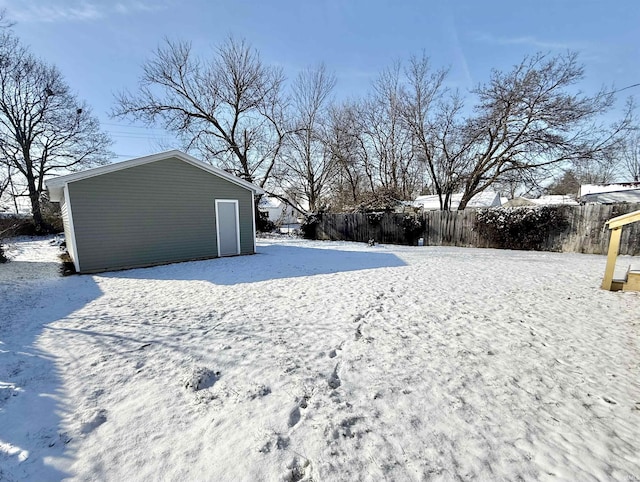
43	128
225	106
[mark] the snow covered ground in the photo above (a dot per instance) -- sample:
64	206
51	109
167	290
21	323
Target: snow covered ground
320	361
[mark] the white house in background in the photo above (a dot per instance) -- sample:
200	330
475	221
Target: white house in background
486	199
517	202
279	212
549	200
554	200
628	192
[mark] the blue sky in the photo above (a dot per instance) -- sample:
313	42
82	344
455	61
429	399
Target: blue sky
101	45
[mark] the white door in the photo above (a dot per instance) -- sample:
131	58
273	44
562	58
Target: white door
227	227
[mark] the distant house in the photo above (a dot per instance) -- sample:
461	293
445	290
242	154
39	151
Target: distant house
549	200
555	200
518	202
157	209
279	212
486	199
628	192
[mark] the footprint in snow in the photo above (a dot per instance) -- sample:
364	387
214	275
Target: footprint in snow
259	391
280	443
294	417
297	471
334	380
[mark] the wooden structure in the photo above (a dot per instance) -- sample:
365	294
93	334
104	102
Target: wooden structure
631	282
583	232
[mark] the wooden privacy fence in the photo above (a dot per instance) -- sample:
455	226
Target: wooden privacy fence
579	229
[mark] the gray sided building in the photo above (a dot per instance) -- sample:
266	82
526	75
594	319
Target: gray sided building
158	209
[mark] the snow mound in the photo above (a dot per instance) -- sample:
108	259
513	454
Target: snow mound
201	378
93	421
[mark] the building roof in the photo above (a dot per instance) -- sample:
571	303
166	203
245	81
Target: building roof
548	200
554	200
612	197
484	199
56	184
610	187
518	202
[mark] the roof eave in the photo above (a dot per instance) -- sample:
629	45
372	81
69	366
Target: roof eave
58	183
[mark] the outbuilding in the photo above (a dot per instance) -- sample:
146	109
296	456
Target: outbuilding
158	209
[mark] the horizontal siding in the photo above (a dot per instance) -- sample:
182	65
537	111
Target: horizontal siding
155	213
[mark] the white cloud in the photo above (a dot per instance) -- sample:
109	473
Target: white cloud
81	11
526	40
126	8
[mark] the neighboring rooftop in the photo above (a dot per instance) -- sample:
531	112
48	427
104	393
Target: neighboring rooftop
612	197
484	199
609	187
555	200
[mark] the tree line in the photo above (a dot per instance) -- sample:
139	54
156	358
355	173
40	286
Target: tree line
409	134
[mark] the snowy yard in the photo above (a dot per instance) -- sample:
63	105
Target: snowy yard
320	361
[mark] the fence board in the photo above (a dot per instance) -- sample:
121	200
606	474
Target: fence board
585	230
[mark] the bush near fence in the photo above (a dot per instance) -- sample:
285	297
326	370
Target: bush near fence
579	229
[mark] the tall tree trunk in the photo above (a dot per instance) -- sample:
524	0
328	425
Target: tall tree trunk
34	196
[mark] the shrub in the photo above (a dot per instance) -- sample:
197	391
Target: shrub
263	223
413	226
309	226
381	200
527	228
374	218
51	215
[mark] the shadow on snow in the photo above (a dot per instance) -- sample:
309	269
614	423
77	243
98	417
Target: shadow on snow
31	389
271	262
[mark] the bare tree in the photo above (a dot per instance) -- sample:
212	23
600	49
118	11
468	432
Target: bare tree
528	119
631	155
5	173
568	183
391	155
5	182
521	183
307	164
44	129
230	106
432	122
5	23
347	149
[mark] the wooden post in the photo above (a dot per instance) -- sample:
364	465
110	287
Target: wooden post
614	247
